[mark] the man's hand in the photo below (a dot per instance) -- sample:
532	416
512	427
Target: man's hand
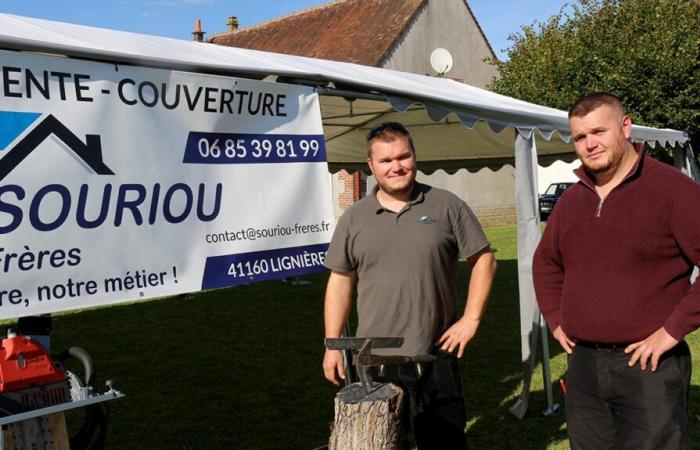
333	367
459	335
463	331
655	345
566	343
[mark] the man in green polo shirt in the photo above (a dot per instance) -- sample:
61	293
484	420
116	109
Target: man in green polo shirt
402	243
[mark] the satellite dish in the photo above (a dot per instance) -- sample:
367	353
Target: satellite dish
441	61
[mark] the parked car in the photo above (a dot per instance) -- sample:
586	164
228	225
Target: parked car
550	198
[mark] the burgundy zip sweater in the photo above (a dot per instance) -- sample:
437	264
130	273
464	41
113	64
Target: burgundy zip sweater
618	269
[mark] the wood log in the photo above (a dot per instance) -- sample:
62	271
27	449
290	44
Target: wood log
367	422
29	434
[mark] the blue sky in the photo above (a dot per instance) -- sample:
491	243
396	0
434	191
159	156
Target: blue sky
175	18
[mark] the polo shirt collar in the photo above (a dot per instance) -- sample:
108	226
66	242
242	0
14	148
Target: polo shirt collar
417	196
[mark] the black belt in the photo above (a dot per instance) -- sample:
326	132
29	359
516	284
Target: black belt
604	346
444	354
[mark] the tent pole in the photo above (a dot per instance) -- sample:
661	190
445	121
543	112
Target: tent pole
684	160
691	166
691	163
531	321
552	407
680	160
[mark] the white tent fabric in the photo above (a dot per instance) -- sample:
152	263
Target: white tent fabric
403	91
455	125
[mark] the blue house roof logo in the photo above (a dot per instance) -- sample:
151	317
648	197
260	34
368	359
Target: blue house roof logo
13	124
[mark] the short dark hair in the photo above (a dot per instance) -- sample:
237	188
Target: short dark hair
587	103
387	132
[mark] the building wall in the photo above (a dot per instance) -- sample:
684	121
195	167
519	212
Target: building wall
487	193
447	24
491	195
342	189
344	193
450	25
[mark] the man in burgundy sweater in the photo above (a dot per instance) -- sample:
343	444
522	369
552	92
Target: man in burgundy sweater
612	277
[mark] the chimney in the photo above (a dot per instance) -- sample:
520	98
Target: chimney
232	23
198	34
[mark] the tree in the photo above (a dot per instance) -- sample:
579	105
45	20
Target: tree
647	52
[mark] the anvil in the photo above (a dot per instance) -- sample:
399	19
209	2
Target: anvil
363	357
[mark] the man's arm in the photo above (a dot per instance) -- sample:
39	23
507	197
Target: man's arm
463	331
548	278
685	226
335	314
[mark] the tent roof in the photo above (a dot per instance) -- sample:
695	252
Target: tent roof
474	122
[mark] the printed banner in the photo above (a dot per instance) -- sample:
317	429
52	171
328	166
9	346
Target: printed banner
120	183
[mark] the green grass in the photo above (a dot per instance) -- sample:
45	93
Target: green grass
240	368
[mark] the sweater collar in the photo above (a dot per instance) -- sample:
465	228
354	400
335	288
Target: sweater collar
588	179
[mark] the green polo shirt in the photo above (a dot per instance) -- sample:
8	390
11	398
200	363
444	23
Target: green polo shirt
406	264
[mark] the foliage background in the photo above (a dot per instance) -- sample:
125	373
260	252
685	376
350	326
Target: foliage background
647	52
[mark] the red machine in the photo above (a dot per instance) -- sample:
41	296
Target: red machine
35	390
27	371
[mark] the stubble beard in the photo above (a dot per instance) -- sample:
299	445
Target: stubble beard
598	169
387	188
613	162
396	191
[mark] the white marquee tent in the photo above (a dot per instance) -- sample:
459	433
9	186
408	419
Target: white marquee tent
454	125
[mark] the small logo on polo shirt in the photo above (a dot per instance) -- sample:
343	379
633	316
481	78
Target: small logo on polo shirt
427	219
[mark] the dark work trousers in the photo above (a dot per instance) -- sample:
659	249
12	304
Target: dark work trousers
433	404
610	405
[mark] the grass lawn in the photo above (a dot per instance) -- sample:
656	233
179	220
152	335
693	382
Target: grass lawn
240	368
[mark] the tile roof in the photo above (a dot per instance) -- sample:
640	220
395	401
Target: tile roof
357	31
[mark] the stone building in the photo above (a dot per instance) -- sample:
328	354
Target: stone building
398	35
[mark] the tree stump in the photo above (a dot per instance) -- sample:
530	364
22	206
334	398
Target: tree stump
367	422
31	434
